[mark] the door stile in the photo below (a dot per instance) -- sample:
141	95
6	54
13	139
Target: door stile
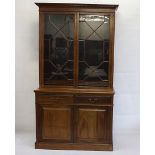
41	49
76	50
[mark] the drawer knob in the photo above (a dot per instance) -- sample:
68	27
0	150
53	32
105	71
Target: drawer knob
93	100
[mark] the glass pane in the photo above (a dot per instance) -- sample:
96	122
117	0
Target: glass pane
58	49
94	50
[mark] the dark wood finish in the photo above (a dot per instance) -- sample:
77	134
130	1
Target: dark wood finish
70	115
111	55
71	90
52	7
76	54
54	99
55	127
92	124
78	5
74	146
41	47
93	99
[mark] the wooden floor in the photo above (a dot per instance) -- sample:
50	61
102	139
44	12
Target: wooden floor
124	144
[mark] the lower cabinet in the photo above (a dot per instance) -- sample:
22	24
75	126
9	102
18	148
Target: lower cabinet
66	124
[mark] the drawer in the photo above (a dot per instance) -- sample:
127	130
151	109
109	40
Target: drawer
93	99
54	98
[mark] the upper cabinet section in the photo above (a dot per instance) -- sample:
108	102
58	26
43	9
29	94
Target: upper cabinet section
76	45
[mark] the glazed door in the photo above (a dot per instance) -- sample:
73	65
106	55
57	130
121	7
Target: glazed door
94	41
58	49
56	124
93	124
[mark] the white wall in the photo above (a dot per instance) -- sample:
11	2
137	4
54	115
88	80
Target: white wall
126	76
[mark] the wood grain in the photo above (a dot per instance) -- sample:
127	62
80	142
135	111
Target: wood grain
93	124
74	146
56	123
69	116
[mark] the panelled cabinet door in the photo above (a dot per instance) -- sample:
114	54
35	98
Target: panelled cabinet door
56	123
93	124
